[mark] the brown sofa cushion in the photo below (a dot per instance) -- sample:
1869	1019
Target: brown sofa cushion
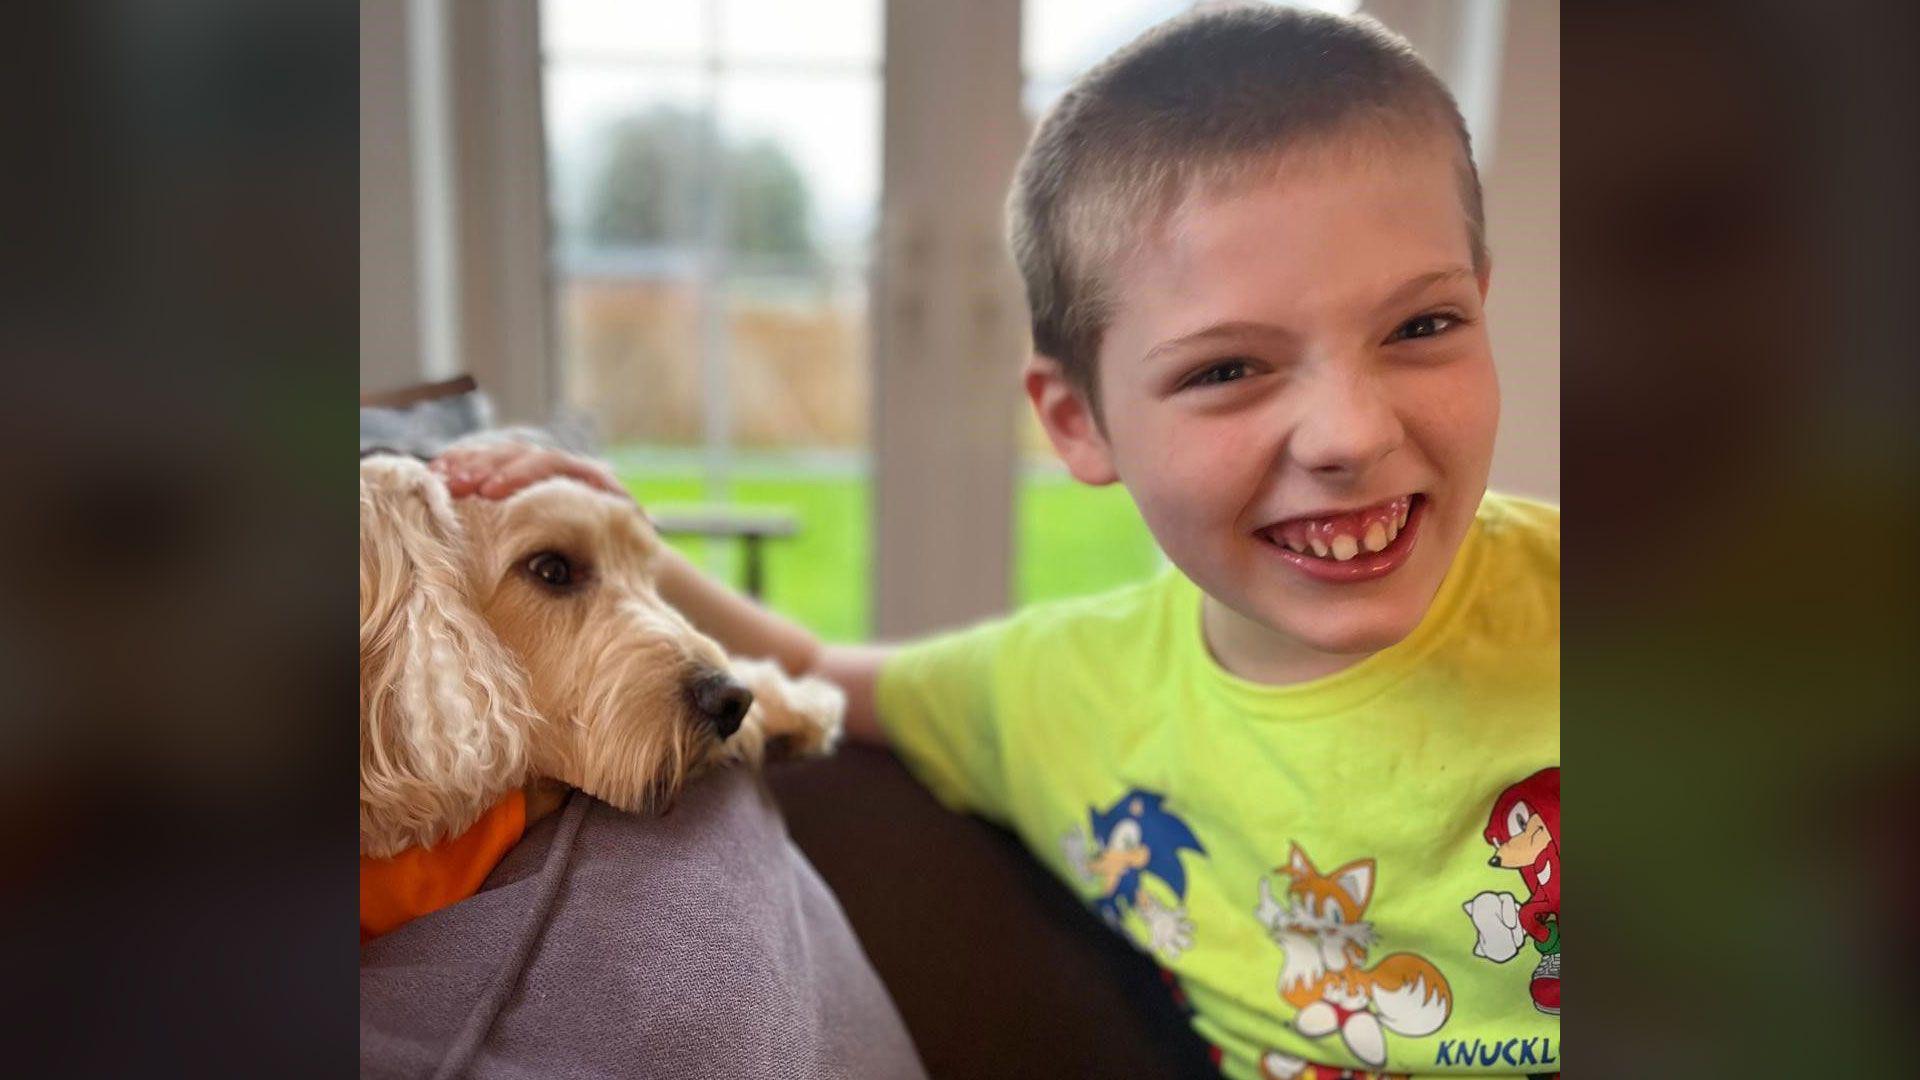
997	969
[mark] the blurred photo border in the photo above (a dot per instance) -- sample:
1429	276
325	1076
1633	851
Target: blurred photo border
1739	695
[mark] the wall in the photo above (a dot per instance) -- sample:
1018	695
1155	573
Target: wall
1523	228
389	282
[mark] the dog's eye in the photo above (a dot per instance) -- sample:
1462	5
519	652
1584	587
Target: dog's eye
552	569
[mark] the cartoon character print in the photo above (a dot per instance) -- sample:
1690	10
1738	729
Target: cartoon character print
1132	839
1524	830
1324	975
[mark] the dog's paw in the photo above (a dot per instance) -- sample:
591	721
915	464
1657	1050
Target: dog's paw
794	717
818	728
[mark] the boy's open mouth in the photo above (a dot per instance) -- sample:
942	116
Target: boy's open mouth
1353	545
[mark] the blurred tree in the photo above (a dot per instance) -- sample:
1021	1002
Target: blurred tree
649	191
767	203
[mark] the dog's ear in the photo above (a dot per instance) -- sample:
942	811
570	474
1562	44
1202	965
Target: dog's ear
444	710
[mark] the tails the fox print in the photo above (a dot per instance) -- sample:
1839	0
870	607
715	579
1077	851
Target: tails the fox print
1322	928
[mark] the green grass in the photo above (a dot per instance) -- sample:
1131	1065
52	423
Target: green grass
1074	540
1070	540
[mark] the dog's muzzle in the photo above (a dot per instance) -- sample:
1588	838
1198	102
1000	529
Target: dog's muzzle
721	700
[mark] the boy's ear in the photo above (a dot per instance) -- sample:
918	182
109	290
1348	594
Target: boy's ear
1485	277
1067	417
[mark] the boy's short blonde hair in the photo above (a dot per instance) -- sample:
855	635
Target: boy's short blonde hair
1207	98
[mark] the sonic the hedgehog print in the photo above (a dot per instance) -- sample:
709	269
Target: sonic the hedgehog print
1132	840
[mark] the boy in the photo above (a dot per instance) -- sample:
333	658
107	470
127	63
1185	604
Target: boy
1302	767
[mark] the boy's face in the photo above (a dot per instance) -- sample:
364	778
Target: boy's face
1295	367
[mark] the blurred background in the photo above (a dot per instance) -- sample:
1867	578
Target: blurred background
180	312
754	249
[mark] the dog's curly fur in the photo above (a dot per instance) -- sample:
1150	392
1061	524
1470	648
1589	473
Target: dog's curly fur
476	676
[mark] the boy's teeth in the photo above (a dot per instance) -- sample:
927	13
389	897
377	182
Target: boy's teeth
1346	536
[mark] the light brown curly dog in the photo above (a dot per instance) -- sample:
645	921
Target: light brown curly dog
504	642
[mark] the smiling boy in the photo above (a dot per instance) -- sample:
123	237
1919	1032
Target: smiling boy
1253	249
1252	243
1297	390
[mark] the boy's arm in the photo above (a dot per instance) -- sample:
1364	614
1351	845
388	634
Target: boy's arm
856	670
945	729
743	627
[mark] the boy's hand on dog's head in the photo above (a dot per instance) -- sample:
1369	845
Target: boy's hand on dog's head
497	470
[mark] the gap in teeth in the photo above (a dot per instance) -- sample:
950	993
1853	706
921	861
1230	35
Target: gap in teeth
1344	546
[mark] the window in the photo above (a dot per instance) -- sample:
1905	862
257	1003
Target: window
714	174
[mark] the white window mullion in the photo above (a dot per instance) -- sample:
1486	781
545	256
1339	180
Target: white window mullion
716	421
390	285
949	327
434	197
502	290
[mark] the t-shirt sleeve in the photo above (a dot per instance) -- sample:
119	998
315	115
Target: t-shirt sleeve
938	707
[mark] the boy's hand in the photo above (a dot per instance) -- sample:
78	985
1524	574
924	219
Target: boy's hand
497	470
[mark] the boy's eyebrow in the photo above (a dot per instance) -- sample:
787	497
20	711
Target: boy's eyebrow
1236	330
1241	329
1415	286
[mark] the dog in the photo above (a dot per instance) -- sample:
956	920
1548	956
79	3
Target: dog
504	643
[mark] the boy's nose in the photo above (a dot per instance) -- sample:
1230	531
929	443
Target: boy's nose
1346	426
721	701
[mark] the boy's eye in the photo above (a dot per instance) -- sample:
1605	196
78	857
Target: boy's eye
1224	372
1429	325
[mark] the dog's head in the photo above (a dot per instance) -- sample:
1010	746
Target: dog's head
501	640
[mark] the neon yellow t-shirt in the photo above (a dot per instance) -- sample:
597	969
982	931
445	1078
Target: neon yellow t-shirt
1360	871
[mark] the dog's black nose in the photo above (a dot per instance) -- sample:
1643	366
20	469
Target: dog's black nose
722	701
